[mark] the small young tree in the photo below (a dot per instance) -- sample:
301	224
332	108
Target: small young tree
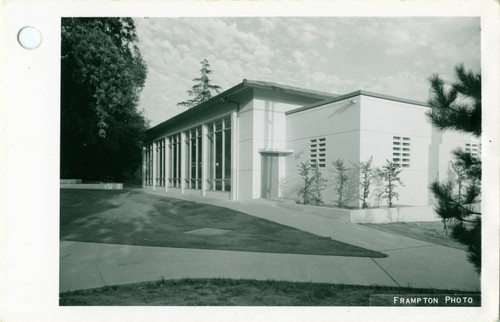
305	193
390	175
202	90
341	178
366	174
318	184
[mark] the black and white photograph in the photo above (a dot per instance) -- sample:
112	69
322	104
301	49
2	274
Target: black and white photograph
267	161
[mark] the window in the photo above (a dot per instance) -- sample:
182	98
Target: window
400	143
148	161
160	163
317	154
474	149
175	149
193	143
219	152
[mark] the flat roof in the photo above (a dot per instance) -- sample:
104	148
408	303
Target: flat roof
244	85
354	94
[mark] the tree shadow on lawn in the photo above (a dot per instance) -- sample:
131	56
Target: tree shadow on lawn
136	218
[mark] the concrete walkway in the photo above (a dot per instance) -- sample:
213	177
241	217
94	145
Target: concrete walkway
410	262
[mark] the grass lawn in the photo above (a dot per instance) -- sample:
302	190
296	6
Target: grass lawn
429	231
226	292
135	218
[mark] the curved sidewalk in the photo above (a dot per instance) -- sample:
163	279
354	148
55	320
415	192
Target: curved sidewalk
410	262
89	265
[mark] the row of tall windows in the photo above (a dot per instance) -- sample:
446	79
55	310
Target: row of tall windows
169	152
175	150
160	163
148	161
219	154
193	141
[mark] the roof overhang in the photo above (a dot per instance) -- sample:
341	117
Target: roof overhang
237	89
355	94
278	152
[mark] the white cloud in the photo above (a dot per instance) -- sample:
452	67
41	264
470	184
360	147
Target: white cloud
391	56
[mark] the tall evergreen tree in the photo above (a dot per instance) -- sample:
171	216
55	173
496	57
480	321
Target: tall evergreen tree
459	108
202	90
102	75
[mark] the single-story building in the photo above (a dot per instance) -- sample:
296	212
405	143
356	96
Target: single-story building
247	143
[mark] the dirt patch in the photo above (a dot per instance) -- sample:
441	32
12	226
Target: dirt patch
428	231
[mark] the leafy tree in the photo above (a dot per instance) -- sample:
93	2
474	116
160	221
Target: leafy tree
102	75
390	175
459	108
313	184
318	184
202	90
366	170
341	178
305	193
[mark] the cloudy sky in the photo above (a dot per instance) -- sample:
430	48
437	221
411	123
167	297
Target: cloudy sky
393	56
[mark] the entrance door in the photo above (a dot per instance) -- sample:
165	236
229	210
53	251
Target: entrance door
269	180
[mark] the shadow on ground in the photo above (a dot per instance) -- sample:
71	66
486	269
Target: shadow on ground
135	218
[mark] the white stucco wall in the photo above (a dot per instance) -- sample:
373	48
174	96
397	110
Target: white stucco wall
381	120
262	126
338	123
245	151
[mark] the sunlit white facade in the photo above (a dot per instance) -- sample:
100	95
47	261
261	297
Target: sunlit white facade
247	143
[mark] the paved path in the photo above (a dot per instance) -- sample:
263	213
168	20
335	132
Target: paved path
410	262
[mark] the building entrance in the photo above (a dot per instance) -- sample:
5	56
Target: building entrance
269	180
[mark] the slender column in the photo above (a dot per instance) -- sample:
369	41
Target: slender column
183	149
234	156
204	159
154	164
